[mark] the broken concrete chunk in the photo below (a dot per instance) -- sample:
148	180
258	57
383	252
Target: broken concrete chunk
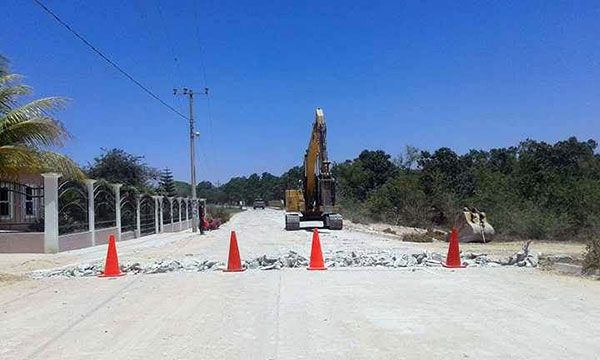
291	259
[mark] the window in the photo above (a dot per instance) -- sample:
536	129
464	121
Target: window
5	203
29	202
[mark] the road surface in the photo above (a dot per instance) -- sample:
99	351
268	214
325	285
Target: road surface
350	313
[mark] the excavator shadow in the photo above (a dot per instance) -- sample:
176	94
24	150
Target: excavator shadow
310	228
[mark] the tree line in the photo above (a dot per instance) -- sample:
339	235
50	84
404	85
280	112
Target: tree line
532	190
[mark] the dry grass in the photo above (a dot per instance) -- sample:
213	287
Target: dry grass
419	238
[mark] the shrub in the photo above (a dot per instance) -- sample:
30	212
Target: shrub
221	213
389	231
591	260
354	211
419	238
428	236
399	201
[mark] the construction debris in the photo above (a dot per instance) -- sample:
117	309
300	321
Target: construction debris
339	259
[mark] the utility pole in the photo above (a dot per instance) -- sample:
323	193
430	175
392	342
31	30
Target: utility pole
193	134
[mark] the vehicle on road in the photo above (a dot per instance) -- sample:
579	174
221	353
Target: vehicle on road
316	201
258	203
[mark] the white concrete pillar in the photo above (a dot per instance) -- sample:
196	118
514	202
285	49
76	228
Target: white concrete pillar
161	213
138	216
179	200
171	205
187	212
89	184
156	218
51	212
117	191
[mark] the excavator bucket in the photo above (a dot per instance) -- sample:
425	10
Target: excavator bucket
472	226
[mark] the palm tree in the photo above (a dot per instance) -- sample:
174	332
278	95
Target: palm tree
28	132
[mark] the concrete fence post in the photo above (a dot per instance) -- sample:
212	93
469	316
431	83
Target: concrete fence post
162	213
156	226
179	200
171	205
138	216
117	190
89	184
51	212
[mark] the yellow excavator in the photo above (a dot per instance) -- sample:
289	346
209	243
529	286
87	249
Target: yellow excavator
316	201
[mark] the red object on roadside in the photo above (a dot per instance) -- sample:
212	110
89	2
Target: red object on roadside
316	255
234	264
111	266
453	257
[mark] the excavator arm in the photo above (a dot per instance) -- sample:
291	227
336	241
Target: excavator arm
315	161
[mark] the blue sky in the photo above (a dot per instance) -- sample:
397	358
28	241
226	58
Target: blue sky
387	73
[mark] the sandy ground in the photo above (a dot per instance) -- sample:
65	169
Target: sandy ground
361	313
495	248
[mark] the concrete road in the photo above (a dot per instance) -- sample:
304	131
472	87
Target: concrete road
362	313
492	313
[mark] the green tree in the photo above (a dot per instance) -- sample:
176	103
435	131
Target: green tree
365	174
268	186
118	166
236	189
408	159
28	131
166	184
444	169
182	188
400	200
289	180
210	192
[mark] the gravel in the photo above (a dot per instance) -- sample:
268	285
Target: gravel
292	259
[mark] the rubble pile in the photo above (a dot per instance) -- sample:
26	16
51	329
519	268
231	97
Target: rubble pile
339	259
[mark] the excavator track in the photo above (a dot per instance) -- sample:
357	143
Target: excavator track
334	221
292	221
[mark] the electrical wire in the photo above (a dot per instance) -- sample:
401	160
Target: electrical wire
208	96
169	43
112	63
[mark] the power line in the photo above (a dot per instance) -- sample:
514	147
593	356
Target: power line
203	67
112	63
170	43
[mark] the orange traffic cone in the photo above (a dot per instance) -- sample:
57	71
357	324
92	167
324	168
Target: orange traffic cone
234	264
111	267
453	257
316	255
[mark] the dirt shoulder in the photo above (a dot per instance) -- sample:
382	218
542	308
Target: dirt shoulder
492	248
